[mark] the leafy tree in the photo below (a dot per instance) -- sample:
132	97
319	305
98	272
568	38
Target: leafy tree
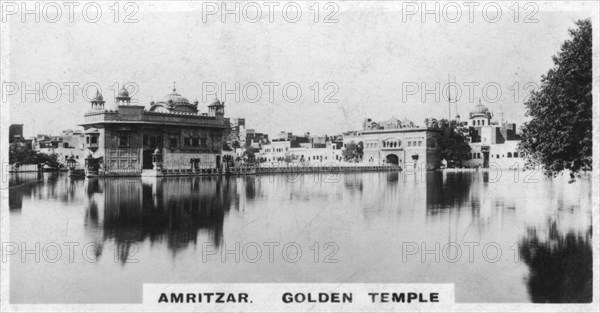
559	135
249	153
453	143
23	154
353	151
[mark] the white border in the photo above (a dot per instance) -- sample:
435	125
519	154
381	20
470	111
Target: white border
5	306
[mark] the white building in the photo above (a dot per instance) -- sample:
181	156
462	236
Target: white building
278	152
493	144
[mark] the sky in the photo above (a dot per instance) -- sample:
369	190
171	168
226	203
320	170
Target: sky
374	60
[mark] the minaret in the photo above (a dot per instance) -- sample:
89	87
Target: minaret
123	97
98	101
217	109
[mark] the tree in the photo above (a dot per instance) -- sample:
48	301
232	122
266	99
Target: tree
559	135
353	151
23	154
453	144
249	153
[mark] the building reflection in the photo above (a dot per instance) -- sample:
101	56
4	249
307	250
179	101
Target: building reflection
37	186
127	211
560	264
446	191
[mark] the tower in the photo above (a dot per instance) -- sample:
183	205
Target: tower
98	101
217	109
123	97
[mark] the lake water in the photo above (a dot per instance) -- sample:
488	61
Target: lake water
515	237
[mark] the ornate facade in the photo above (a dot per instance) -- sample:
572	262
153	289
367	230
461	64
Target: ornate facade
399	142
170	136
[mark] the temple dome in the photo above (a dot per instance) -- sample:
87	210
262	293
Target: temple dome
215	101
479	109
123	93
174	102
175	98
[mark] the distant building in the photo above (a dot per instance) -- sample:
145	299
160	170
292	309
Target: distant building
15	132
232	138
251	138
398	142
493	144
238	124
278	151
125	138
71	143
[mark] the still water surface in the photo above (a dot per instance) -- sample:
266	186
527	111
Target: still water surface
496	239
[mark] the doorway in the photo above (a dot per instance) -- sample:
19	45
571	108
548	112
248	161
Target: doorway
486	159
147	159
392	159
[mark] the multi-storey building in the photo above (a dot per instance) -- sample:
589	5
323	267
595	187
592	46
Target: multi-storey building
15	132
127	138
493	144
400	143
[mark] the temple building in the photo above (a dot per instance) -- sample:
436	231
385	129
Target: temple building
399	142
169	137
493	143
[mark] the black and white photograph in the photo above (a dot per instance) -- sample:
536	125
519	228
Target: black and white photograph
299	156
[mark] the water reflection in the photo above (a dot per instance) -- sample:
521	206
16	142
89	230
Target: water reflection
560	265
170	210
369	215
450	191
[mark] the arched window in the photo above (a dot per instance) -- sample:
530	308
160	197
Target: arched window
509	155
473	122
516	155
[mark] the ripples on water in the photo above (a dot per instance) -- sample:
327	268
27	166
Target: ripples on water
543	229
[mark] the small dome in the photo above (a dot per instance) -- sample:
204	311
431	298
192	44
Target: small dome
215	102
480	109
123	93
